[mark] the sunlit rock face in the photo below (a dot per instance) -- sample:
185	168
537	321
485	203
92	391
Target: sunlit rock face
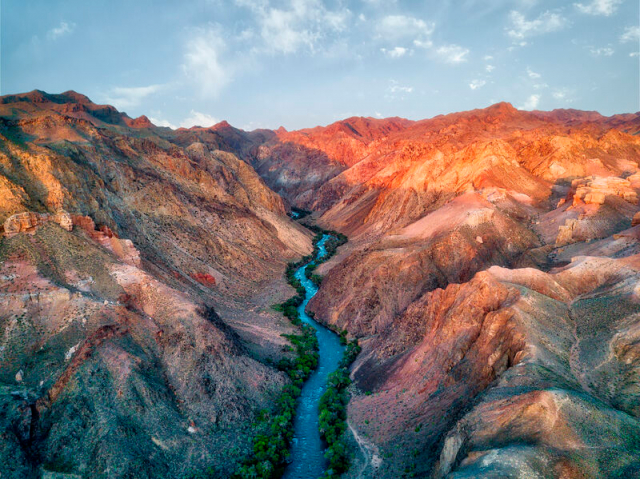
134	263
492	278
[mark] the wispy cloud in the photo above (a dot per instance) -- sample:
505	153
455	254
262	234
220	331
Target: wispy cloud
402	26
296	25
65	28
563	95
599	7
530	103
129	97
162	122
533	75
197	118
631	34
396	52
602	52
521	28
476	84
452	53
489	68
202	61
396	90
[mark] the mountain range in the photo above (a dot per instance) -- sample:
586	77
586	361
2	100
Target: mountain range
492	278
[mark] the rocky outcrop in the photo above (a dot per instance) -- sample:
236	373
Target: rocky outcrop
27	222
595	190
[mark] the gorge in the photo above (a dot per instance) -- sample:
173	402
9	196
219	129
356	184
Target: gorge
492	279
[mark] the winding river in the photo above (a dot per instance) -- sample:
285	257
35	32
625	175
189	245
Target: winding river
307	448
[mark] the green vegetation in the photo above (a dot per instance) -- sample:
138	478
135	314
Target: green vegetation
315	278
333	412
271	446
299	213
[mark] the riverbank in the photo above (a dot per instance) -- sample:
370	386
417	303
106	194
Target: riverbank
290	443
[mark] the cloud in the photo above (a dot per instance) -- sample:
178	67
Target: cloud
396	52
533	75
546	22
300	24
129	97
395	90
197	118
475	84
631	34
563	94
65	28
634	54
531	103
452	54
489	68
160	122
402	26
602	52
423	43
202	63
599	7
282	34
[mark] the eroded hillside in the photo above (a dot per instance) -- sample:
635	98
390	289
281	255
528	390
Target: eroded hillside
137	269
492	277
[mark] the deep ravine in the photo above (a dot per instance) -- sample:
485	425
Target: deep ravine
307	449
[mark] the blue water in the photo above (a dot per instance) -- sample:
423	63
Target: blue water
307	449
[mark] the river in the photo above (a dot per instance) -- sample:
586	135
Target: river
307	448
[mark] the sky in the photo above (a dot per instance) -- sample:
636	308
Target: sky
302	63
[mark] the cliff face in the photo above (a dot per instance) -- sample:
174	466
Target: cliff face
491	276
121	244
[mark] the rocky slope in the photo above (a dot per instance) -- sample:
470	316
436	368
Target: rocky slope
121	244
492	276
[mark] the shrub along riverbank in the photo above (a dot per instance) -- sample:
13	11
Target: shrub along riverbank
271	446
333	412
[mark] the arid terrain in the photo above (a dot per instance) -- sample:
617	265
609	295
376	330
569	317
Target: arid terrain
492	277
122	246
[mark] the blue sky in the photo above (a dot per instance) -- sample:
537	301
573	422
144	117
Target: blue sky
301	63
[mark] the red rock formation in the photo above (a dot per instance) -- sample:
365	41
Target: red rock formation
29	221
434	203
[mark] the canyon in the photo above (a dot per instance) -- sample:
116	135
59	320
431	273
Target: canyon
492	278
